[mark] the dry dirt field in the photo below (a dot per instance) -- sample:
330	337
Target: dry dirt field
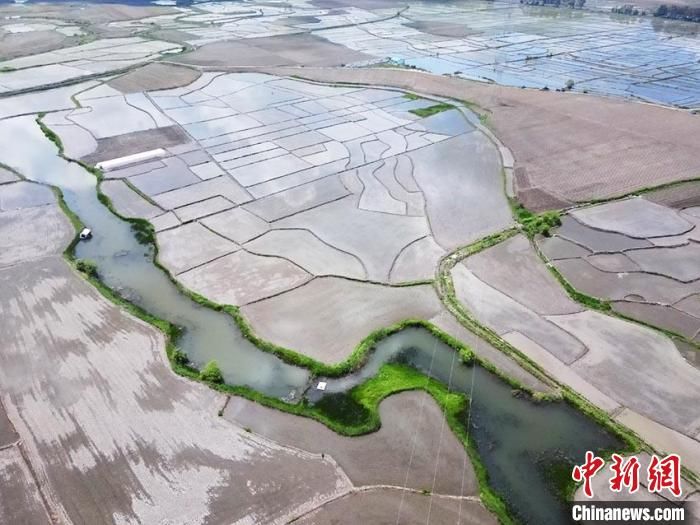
405	451
379	506
283	50
154	76
568	147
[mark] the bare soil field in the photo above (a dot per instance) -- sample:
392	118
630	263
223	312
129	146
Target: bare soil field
283	50
135	142
13	45
109	431
90	13
568	147
20	500
7	431
154	76
406	451
386	506
112	432
680	196
27	212
337	314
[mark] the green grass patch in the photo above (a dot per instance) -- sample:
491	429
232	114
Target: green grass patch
179	357
49	134
87	267
557	472
211	373
412	96
143	231
72	217
536	223
432	110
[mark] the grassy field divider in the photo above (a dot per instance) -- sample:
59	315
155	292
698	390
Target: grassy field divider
446	292
431	110
391	379
602	305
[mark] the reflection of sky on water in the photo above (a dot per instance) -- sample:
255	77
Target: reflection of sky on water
502	42
180	3
537	47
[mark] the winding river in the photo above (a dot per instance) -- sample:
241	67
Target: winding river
517	439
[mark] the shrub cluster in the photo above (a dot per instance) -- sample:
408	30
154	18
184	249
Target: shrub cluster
534	224
87	267
212	373
678	12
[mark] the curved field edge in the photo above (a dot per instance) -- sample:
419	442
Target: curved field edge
534	225
445	286
603	305
390	380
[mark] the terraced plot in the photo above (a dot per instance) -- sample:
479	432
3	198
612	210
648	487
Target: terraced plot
503	43
639	255
631	371
566	147
100	383
286	191
57	66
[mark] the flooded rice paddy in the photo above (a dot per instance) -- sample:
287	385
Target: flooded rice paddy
592	50
517	439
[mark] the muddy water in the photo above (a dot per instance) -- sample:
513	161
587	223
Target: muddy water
515	437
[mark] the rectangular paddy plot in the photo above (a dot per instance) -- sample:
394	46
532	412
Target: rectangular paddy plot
514	45
322	180
636	57
81	61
